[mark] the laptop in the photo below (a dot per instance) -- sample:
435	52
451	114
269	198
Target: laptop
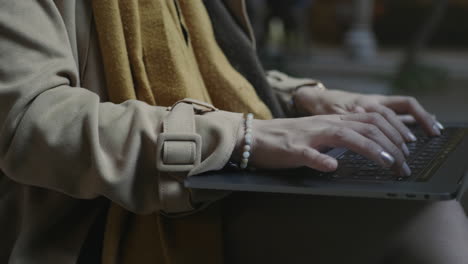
439	171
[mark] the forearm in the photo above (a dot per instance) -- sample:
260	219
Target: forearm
66	140
57	135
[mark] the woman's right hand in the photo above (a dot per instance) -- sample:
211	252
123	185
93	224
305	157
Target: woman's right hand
296	142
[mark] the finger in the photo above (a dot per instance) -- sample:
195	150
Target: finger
407	119
373	132
383	125
354	141
406	104
393	119
316	160
359	109
340	111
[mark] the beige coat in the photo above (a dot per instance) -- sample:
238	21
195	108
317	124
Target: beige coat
62	146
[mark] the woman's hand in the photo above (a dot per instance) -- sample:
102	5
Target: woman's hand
316	102
296	142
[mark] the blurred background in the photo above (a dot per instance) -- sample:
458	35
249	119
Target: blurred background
411	47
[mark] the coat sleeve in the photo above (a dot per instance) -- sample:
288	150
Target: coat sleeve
58	136
285	86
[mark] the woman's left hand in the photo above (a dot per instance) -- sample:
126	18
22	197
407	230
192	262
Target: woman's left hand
320	102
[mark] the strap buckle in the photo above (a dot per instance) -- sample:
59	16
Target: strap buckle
178	152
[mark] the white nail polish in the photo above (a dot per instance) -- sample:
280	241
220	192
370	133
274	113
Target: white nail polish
387	158
406	170
436	130
412	137
439	125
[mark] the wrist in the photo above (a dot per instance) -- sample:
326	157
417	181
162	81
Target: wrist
237	152
306	99
242	149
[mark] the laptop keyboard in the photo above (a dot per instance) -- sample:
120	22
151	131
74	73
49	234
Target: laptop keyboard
427	155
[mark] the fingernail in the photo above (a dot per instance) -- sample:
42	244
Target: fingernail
406	170
387	158
405	150
439	125
436	130
412	137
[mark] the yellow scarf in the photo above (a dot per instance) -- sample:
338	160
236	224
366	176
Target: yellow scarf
160	51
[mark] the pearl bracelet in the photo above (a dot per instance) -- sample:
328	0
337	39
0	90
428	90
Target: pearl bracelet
247	141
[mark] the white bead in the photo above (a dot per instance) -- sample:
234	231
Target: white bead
244	165
248	141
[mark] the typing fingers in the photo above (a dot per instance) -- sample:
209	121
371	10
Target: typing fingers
372	145
409	105
377	120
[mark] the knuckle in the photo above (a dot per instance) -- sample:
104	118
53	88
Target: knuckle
306	154
397	153
399	158
388	113
381	119
398	139
340	133
369	145
411	100
375	117
395	134
372	130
